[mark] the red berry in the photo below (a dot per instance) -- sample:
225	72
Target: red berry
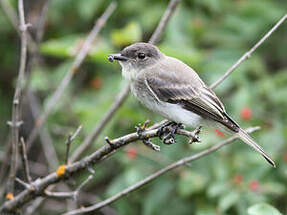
96	83
238	179
246	113
219	133
131	152
285	156
254	185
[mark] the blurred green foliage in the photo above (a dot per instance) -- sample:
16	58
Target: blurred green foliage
209	35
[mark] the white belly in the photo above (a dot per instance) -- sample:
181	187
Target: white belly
176	113
173	112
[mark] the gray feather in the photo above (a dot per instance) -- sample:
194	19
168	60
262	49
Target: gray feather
176	83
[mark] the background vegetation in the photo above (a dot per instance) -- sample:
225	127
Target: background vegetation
209	35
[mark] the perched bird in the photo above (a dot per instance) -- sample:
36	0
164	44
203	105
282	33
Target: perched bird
171	88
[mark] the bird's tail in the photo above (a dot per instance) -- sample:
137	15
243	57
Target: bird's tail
248	140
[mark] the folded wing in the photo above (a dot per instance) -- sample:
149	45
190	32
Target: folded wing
191	93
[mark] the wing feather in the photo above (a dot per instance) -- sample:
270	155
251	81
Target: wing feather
195	97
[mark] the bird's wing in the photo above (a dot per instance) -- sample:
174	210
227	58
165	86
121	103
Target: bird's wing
186	89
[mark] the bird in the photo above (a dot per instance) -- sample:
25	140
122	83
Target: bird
175	91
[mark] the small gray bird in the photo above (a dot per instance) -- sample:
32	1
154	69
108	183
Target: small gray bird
169	87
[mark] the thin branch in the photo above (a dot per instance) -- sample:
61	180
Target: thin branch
69	75
67	195
248	54
155	175
12	17
84	183
23	183
25	161
41	21
59	195
123	95
156	36
15	124
69	141
33	207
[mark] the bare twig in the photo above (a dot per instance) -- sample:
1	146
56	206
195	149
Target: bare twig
67	195
69	141
155	175
248	54
41	21
123	95
33	207
23	183
12	17
156	36
25	161
59	195
69	75
17	98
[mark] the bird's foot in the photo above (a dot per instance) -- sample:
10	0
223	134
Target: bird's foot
163	129
167	132
140	129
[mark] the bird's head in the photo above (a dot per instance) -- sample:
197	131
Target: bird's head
136	57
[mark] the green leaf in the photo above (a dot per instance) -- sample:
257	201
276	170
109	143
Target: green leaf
216	189
158	196
263	209
190	183
228	200
131	33
69	46
89	8
128	178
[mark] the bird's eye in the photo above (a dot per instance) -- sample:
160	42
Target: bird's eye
141	55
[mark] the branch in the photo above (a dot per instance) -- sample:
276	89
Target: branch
69	141
248	54
65	195
12	17
155	175
25	161
156	36
123	95
69	75
15	124
101	154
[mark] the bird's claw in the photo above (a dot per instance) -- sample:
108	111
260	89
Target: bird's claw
170	128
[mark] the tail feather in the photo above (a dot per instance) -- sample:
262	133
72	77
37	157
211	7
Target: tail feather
248	140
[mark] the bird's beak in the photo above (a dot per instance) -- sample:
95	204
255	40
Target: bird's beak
119	57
